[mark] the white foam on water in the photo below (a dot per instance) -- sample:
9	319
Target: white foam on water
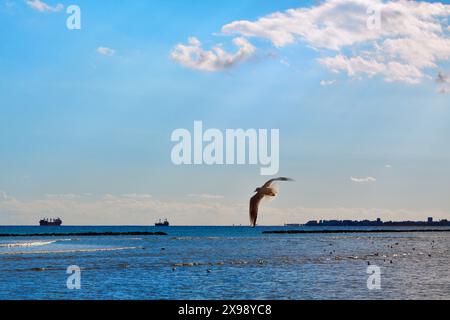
67	251
30	243
27	244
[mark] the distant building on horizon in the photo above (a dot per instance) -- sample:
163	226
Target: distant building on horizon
376	223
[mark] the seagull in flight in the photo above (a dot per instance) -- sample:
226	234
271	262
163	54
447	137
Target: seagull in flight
267	190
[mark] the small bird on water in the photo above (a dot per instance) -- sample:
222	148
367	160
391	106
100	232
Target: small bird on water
267	190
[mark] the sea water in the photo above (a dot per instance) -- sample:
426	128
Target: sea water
222	263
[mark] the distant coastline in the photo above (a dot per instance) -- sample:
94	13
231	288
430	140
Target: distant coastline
354	231
376	223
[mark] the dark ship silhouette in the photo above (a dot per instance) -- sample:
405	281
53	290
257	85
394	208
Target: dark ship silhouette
162	224
50	222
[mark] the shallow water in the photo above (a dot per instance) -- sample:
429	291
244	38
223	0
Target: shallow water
223	263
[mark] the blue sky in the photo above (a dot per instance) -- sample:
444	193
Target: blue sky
82	132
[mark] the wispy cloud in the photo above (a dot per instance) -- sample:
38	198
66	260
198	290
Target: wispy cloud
363	179
4	196
205	196
443	81
137	209
142	209
327	82
44	7
137	196
105	51
194	56
67	196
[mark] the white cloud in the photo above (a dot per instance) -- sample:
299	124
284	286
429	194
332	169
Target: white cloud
412	36
388	166
363	180
205	196
105	51
137	196
62	196
327	82
444	90
359	66
3	196
44	7
443	81
285	62
194	56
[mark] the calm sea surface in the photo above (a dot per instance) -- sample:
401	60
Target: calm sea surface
223	263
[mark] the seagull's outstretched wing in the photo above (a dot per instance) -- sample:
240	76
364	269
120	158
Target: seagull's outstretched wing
269	183
254	204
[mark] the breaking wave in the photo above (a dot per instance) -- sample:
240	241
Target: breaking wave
30	243
67	251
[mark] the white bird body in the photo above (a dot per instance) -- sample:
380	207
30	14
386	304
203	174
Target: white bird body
268	190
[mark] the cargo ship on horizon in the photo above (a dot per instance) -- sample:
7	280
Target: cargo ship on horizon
50	222
162	224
